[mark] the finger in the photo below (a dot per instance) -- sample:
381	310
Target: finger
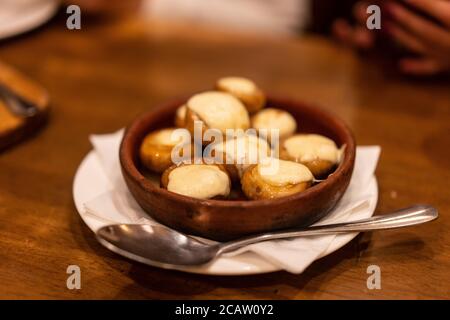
342	30
405	38
363	38
352	36
360	12
423	66
439	9
421	27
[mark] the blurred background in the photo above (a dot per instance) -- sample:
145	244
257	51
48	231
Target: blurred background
137	52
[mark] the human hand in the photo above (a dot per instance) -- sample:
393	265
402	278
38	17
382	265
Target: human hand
357	36
429	39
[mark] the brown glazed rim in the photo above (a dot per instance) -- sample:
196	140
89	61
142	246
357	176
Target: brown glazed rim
129	167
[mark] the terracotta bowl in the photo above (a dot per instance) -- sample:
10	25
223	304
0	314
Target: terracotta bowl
228	219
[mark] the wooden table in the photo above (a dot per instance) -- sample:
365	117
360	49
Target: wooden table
101	77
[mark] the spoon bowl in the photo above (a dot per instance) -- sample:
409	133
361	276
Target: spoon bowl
155	245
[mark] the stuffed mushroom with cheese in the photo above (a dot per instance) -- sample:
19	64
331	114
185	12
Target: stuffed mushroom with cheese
245	90
156	149
216	110
320	154
238	153
274	119
275	178
201	181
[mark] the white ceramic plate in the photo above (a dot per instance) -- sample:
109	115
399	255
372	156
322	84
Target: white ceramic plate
19	16
90	181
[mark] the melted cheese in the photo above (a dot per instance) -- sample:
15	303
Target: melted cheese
308	147
219	110
271	118
199	181
281	173
243	151
237	84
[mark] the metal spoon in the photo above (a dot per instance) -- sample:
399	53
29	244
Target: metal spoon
18	105
163	247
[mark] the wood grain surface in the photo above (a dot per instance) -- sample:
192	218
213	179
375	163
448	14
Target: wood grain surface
101	77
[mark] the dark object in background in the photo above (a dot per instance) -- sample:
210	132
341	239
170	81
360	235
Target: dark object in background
324	12
13	127
392	49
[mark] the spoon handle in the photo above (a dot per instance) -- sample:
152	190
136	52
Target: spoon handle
16	104
402	218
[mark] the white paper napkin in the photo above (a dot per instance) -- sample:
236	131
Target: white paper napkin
118	206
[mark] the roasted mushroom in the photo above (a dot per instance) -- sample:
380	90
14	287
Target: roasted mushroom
320	154
245	90
201	181
274	119
156	149
274	178
238	153
216	110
